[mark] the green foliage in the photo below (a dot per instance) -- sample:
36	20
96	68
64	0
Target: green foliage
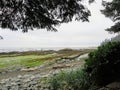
73	80
25	61
116	38
29	14
112	10
113	39
103	64
35	58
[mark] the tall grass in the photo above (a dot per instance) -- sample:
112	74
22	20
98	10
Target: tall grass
73	80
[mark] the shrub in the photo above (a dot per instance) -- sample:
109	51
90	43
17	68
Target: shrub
103	65
73	80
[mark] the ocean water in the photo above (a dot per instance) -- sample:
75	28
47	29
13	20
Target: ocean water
35	49
17	49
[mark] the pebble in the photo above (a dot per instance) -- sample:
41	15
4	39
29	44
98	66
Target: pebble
30	81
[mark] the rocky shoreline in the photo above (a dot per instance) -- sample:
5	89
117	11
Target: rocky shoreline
38	78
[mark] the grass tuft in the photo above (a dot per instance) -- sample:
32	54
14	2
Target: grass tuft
73	80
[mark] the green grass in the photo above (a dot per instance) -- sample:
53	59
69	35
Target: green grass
73	80
34	58
26	61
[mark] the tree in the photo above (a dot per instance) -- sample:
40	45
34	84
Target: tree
30	14
112	10
1	37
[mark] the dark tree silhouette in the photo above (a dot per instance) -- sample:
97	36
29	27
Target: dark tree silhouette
30	14
112	10
1	37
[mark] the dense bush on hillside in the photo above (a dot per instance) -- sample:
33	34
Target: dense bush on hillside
73	80
113	39
116	38
103	65
101	68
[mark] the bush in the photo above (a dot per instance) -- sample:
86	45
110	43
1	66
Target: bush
74	80
103	65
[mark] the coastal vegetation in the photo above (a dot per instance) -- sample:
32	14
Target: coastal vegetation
17	60
102	65
100	68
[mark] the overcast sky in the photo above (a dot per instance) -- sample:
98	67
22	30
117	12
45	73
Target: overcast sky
74	34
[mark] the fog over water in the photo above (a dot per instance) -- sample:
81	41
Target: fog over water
39	49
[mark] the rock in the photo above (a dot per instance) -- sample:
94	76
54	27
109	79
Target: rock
4	88
29	69
2	82
114	85
13	83
45	76
19	76
33	80
60	66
